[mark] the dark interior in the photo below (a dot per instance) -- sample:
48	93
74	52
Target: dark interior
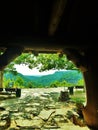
51	26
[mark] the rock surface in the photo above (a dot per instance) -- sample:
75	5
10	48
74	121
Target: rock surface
39	110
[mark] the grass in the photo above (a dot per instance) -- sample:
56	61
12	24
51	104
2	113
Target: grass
78	96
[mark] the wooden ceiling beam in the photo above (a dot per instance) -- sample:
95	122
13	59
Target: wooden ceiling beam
57	12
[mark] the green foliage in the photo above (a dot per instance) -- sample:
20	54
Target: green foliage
10	68
55	84
30	85
6	82
19	81
78	97
78	100
42	62
53	61
61	84
80	82
58	79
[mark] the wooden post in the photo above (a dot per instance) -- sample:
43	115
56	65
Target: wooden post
90	111
87	63
1	79
71	90
64	96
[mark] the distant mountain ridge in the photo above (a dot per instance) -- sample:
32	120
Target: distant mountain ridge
71	76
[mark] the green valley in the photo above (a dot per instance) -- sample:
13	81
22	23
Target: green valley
59	78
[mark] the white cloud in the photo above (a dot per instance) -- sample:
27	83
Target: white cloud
26	71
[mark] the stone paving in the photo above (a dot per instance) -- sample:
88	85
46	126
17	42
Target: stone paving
38	110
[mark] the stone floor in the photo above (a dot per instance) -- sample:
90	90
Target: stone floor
38	109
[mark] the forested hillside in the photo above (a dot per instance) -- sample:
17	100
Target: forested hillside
70	76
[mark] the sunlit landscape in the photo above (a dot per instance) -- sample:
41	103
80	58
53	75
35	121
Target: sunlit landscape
49	97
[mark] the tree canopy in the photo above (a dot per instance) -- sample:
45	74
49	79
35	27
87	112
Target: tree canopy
43	62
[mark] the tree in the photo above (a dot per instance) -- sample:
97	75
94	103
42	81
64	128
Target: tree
6	82
55	84
19	81
30	85
80	82
43	62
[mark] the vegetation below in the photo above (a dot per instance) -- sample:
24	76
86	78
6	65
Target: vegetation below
58	79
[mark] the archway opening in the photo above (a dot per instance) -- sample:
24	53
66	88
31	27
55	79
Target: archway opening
44	95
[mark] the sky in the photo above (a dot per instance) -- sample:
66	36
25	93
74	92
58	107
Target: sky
26	71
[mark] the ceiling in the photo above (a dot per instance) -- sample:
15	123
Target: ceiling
47	26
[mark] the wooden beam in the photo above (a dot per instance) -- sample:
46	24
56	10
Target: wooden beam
78	58
57	12
9	55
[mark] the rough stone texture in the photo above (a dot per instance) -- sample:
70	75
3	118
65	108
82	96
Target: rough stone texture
39	111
